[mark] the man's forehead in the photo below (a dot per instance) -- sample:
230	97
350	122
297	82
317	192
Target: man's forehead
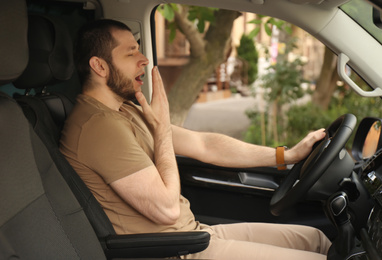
125	38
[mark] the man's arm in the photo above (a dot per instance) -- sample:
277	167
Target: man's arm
155	190
222	150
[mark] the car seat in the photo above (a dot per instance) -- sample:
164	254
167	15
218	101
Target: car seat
38	112
39	216
41	117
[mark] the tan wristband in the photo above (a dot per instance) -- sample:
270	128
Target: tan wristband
280	162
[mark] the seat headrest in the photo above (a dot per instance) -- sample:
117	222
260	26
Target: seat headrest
13	39
50	53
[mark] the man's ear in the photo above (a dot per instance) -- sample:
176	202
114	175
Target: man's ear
99	66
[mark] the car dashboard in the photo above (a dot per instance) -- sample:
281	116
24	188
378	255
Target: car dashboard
367	152
371	176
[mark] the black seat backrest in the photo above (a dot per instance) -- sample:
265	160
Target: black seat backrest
39	216
43	34
50	62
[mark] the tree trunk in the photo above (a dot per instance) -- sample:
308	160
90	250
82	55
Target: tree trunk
203	62
326	83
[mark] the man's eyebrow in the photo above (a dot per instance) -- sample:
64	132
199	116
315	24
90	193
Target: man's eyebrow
134	47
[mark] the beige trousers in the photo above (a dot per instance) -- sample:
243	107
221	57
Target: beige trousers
264	242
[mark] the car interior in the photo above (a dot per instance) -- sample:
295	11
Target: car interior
46	210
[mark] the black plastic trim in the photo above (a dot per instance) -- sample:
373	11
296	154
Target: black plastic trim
371	251
153	35
166	244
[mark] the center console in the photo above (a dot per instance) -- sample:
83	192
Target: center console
371	177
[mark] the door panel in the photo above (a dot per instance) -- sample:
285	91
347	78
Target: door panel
220	195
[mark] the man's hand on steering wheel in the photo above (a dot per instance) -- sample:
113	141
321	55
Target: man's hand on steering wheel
312	162
301	150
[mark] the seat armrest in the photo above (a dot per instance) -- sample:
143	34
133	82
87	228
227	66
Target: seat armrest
147	245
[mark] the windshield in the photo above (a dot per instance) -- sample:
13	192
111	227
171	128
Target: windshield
362	12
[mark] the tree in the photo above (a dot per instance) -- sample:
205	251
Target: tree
283	80
247	52
327	81
208	49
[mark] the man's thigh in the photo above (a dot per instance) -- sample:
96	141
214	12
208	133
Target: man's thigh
222	249
288	236
264	241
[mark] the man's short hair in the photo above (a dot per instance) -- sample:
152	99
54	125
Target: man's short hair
95	39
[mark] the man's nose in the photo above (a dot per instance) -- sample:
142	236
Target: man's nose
144	61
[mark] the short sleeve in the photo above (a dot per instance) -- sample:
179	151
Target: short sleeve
108	146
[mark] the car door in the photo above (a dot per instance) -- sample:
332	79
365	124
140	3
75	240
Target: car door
228	195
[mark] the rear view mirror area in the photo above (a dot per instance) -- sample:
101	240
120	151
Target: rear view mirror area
377	12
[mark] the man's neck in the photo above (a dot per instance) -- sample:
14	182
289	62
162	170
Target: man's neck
106	97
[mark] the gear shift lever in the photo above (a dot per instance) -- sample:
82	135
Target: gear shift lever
337	208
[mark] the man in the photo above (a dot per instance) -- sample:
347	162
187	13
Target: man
126	154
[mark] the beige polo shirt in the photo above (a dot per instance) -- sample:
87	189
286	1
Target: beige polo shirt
104	145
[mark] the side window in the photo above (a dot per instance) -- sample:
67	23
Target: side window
255	78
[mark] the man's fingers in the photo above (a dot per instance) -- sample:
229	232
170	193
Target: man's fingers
141	99
155	78
304	147
319	134
158	87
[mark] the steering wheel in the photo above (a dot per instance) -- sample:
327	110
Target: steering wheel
306	173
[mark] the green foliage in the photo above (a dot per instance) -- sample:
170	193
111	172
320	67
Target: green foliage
168	11
253	134
301	119
200	16
308	117
284	81
268	25
284	78
283	84
352	103
247	51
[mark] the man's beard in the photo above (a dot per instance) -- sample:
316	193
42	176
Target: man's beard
121	85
